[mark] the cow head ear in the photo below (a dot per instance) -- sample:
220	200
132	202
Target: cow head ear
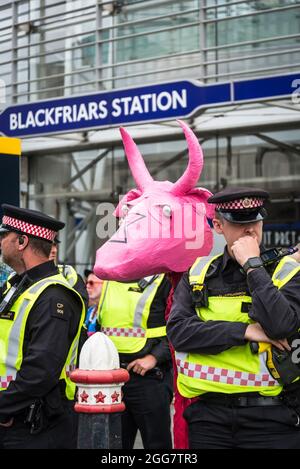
202	195
131	195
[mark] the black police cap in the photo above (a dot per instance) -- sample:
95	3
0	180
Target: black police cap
30	222
241	204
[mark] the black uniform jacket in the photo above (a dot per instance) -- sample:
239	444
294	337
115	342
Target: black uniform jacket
48	337
277	311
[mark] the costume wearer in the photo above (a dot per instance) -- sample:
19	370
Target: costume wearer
240	400
132	315
40	325
157	233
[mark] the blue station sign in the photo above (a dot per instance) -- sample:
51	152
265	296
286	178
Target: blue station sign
150	103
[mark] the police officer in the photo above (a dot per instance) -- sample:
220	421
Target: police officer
133	316
40	320
231	315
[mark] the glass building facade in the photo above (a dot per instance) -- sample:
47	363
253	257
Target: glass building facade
52	48
55	48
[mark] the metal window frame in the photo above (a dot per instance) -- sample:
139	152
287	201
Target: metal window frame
207	77
255	13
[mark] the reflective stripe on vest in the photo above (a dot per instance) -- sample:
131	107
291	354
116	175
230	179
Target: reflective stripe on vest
236	369
13	356
139	310
124	332
123	314
13	345
223	375
134	332
199	269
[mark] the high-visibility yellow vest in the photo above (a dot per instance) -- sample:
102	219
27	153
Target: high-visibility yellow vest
123	313
12	334
237	369
69	273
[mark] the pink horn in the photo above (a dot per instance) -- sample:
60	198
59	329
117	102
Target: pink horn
191	175
136	163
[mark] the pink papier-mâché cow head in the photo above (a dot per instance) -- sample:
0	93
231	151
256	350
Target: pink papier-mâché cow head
163	224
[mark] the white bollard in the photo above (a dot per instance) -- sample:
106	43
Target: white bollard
99	398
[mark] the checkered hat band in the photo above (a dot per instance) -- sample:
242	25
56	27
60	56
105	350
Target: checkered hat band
222	375
28	228
124	331
241	204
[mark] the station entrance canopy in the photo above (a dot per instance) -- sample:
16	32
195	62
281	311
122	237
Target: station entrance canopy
146	104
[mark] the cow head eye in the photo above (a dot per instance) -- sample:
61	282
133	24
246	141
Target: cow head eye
167	211
124	210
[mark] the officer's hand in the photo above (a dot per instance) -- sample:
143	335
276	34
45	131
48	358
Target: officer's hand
142	365
244	248
255	333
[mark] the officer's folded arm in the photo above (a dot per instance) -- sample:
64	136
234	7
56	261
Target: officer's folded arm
276	310
255	333
188	333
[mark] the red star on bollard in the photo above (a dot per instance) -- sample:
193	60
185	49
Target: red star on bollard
115	397
84	396
99	397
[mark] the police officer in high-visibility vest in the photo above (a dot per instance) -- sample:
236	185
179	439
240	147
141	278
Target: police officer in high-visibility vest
41	316
133	316
233	323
